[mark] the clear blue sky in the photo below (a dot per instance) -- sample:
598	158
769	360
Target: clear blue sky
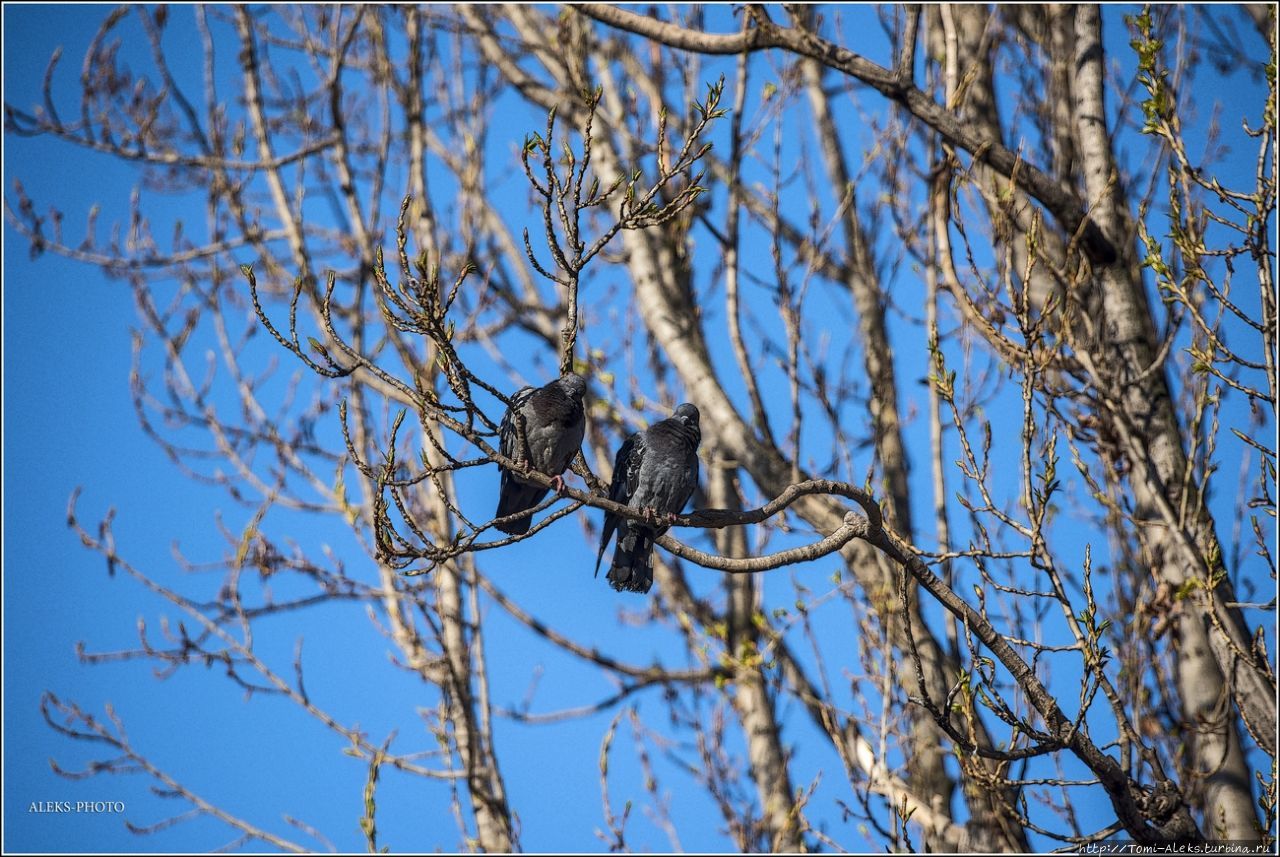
68	422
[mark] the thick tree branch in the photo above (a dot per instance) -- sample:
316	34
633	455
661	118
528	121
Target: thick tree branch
1066	208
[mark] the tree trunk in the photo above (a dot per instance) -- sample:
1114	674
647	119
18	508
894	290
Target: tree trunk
1144	418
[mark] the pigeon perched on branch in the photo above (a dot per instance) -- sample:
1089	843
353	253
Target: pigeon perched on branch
655	472
541	430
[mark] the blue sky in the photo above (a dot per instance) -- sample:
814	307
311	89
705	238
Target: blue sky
69	422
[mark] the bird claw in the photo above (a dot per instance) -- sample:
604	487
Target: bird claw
557	482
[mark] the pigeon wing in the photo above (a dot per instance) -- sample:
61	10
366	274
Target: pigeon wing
511	431
626	477
514	494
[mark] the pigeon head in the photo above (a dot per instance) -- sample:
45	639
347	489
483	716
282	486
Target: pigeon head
687	414
574	385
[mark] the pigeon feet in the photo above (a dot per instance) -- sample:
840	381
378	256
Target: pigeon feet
659	518
557	482
654	516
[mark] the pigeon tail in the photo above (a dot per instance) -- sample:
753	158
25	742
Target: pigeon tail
515	497
632	557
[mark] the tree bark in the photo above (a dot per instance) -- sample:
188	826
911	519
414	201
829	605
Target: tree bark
750	696
1144	415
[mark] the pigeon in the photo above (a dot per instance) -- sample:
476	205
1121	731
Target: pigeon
541	430
656	471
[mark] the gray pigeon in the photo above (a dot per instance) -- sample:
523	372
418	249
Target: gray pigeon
656	471
541	430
